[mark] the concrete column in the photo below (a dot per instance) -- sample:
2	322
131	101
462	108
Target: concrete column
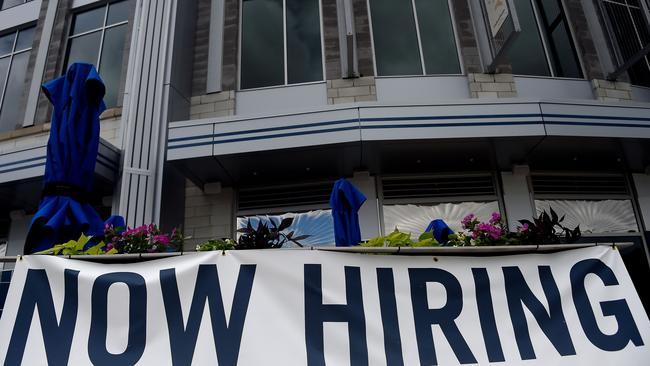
517	197
369	212
208	213
146	111
17	234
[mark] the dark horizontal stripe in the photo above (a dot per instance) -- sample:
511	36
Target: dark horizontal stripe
22	161
601	124
467	124
597	117
268	129
22	167
427	118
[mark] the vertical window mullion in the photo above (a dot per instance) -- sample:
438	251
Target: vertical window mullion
11	62
101	42
417	32
284	36
544	37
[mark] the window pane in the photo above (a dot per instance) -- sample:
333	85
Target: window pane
437	35
262	55
414	219
118	12
568	62
88	20
12	110
25	39
551	9
110	67
395	38
6	4
527	52
84	49
604	216
317	224
304	59
7	43
4	68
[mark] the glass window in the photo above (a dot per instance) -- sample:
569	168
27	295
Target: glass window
414	218
629	31
98	36
6	4
549	53
594	216
404	46
15	49
276	33
318	224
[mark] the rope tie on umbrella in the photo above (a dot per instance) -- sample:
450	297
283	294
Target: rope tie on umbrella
67	190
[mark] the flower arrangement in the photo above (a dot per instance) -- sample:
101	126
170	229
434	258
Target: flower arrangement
479	233
216	244
142	239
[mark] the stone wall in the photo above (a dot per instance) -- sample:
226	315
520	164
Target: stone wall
207	216
351	90
492	85
611	91
213	105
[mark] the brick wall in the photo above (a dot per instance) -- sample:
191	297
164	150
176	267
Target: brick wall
492	85
230	45
213	105
201	47
331	37
351	90
465	29
611	91
364	44
110	123
584	43
207	216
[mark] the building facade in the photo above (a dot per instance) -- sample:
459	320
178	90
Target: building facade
225	110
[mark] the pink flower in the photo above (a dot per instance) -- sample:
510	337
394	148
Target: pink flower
496	218
162	239
524	227
467	220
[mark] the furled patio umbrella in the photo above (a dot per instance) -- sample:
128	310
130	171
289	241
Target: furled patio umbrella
64	211
345	201
440	229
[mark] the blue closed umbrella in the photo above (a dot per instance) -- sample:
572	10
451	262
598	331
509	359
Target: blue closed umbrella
345	201
440	229
64	212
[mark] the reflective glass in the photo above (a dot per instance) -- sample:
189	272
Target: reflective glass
437	37
118	12
88	20
4	68
7	43
25	39
84	49
6	4
262	54
318	224
304	58
13	109
551	9
414	219
110	67
568	63
527	51
395	38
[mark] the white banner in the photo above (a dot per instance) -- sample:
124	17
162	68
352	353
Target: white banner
301	308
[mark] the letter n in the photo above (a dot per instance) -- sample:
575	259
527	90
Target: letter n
57	336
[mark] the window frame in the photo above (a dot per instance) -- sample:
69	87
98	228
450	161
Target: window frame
13	6
431	201
454	27
96	4
612	42
284	42
546	47
591	197
11	55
